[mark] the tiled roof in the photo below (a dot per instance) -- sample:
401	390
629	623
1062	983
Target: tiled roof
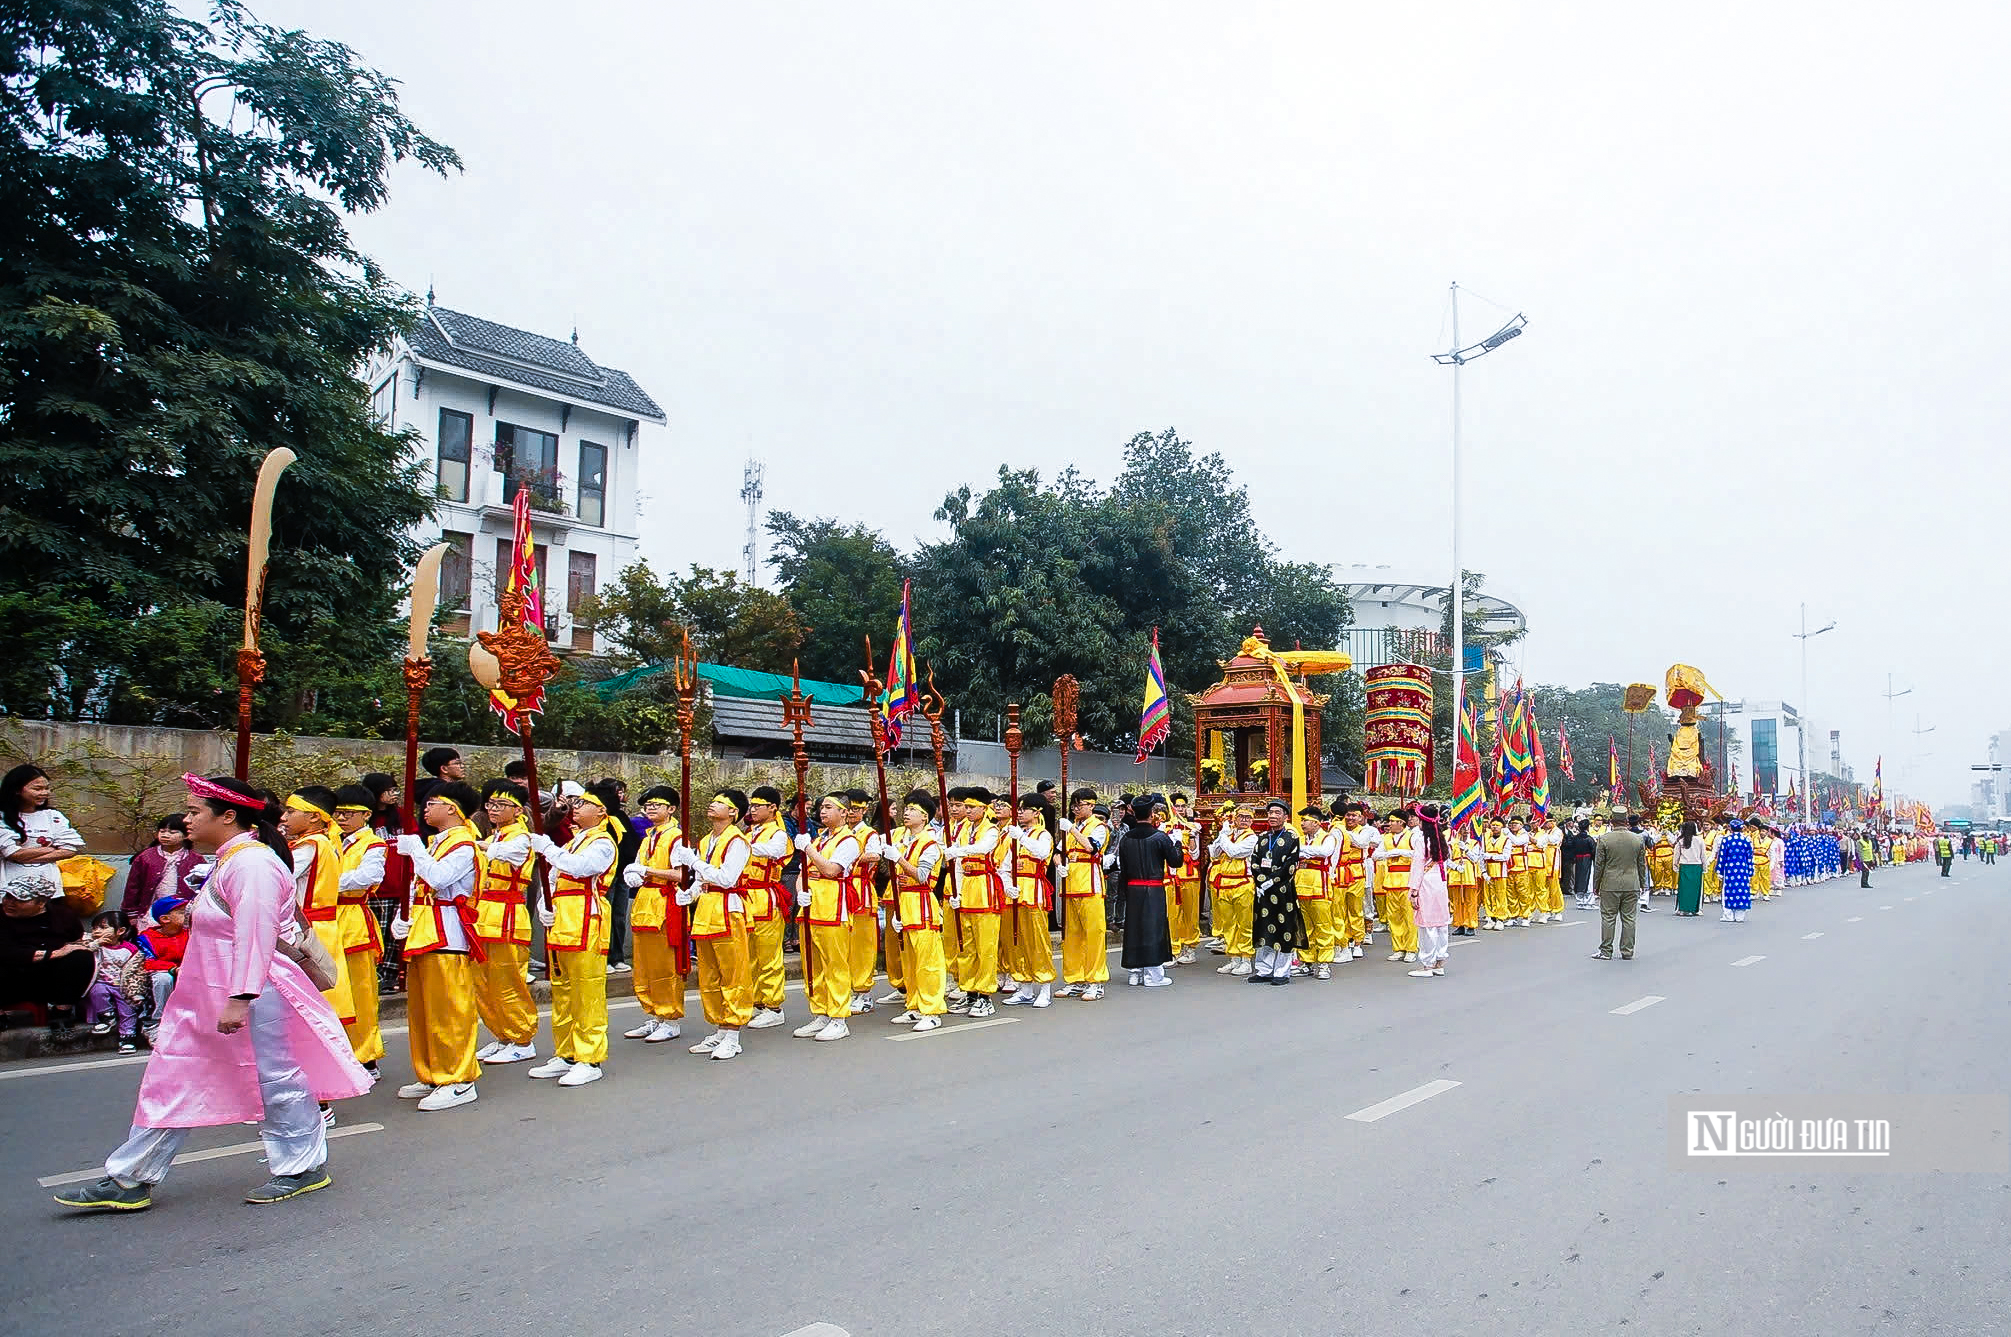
503	353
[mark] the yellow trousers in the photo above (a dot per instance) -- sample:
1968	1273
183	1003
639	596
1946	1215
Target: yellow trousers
1351	922
1084	937
1465	905
1553	901
955	945
1317	912
366	1040
980	963
502	997
1008	954
1232	920
726	977
1497	897
829	988
1183	912
922	970
579	1006
659	984
864	952
764	952
1036	958
894	952
440	1018
1402	924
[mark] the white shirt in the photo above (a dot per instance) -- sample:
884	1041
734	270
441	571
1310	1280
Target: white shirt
452	879
1232	846
367	874
586	861
724	875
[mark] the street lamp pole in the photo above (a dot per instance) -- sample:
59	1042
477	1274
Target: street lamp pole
1802	724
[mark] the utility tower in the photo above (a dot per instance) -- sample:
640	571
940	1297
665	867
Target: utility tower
750	492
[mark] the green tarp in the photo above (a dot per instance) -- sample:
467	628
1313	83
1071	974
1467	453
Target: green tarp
726	680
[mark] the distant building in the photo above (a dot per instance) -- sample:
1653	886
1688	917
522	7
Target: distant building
495	407
1399	613
1772	733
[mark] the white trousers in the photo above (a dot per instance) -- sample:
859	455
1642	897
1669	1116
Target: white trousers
1434	945
295	1141
1273	961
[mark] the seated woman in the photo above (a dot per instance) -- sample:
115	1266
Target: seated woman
44	957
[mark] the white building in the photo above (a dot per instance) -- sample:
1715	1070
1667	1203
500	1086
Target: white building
1772	732
496	406
1399	611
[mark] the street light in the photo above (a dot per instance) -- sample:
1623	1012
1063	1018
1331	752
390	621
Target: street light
1802	725
1455	597
1890	697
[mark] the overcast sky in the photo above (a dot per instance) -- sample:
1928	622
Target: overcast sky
1763	250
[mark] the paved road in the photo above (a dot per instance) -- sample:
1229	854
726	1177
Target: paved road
1178	1161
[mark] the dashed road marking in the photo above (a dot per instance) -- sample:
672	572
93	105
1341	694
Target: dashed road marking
1631	1008
957	1028
1749	960
1855	919
213	1153
1811	937
1411	1097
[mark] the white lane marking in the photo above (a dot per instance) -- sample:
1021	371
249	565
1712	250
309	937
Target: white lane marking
1811	937
1748	960
191	1157
1929	891
819	1330
1885	907
1630	1009
1908	899
1404	1101
1855	919
958	1028
1569	922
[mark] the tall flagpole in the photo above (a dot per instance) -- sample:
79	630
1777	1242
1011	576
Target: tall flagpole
1456	595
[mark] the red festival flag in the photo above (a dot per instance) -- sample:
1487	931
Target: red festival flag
1564	753
1155	721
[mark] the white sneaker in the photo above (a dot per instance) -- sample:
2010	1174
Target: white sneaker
328	1116
420	1090
620	968
552	1067
580	1074
665	1029
892	996
809	1031
1186	957
1042	999
982	1008
1410	956
636	1033
1136	978
447	1097
1396	956
1725	918
1323	973
1419	974
488	1051
1358	949
709	1043
861	1003
729	1046
513	1054
1092	992
1227	968
837	1030
928	1024
1158	981
908	1018
1068	991
764	1017
1438	970
1020	997
1242	966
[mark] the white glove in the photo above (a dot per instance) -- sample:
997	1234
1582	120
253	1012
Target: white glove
411	845
545	915
889	855
803	899
401	927
1110	861
1065	825
688	895
895	925
632	875
543	844
803	840
956	903
874	845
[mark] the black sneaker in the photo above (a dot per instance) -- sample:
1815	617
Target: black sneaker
281	1187
107	1195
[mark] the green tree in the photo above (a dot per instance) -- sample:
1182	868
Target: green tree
729	623
844	581
178	295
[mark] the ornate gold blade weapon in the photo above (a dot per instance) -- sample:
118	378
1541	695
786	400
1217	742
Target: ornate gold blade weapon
418	672
250	660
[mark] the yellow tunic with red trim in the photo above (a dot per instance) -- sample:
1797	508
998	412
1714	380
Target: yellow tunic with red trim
1031	878
1082	868
1351	866
709	915
321	898
915	901
980	888
649	908
761	883
830	897
501	906
429	933
859	883
357	926
579	904
1230	876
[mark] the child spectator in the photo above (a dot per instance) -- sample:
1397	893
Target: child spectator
161	949
120	989
158	869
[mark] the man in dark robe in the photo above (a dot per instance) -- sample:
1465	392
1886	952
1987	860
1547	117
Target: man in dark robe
1276	930
1144	854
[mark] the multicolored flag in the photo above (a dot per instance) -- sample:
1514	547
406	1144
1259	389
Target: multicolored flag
1155	721
1564	758
1539	773
522	582
1469	794
1877	798
1517	752
901	694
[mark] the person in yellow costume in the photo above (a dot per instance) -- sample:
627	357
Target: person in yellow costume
1547	893
1714	886
768	903
308	822
861	901
719	922
1353	908
956	944
438	937
1763	866
1394	856
1494	858
830	881
655	923
1085	960
505	883
1462	881
1031	887
1183	887
1661	863
980	894
575	916
1232	892
363	853
1002	857
914	855
1314	885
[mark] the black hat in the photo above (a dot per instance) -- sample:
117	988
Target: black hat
766	794
660	794
979	794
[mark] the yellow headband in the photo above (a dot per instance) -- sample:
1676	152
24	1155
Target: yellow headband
308	805
353	807
442	798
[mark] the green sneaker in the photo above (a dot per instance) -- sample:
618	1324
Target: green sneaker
108	1195
281	1187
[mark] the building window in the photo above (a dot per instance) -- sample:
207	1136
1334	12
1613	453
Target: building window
384	402
456	430
1766	755
456	571
579	589
530	460
505	550
593	485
